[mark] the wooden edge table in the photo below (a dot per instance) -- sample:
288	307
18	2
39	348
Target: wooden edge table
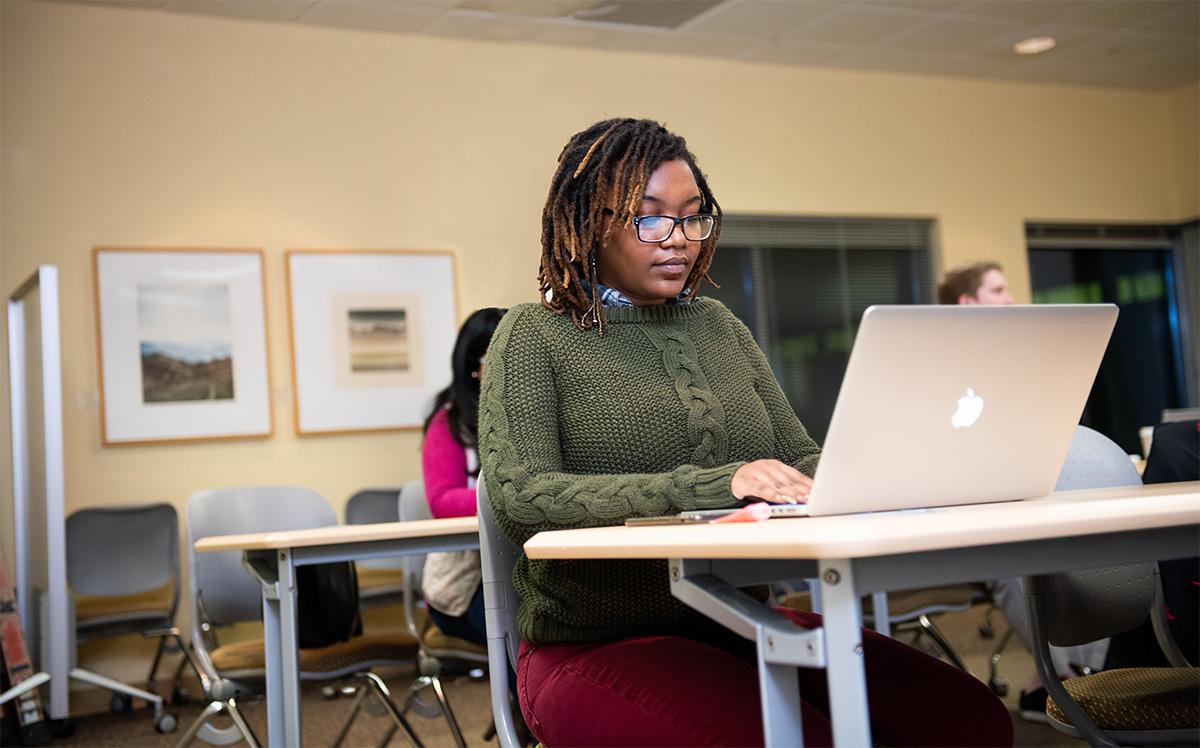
859	554
272	557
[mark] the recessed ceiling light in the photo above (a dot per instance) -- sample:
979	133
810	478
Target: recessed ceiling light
1034	45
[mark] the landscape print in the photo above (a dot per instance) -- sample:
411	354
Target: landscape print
185	338
378	340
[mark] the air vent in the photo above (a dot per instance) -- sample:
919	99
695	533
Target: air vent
663	14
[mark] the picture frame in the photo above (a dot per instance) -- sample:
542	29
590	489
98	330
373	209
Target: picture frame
182	345
371	336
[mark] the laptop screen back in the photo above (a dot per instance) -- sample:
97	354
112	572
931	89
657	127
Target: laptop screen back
944	405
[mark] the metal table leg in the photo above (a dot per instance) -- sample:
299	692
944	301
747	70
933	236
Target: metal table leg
282	658
844	655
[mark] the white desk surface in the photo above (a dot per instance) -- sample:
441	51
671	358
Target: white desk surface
338	534
1061	514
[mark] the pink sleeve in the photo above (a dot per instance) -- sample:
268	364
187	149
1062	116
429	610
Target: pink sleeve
444	463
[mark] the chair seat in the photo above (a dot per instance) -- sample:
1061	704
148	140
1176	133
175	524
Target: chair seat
905	604
246	656
913	603
149	604
376	581
1158	698
434	638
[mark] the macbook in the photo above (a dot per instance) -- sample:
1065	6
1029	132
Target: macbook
947	405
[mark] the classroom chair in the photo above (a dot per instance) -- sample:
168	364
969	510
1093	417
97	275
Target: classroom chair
380	580
224	593
123	573
1128	706
500	603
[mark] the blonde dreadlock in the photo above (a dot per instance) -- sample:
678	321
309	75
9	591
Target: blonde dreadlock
596	191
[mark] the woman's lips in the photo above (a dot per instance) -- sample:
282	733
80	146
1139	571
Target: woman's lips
671	267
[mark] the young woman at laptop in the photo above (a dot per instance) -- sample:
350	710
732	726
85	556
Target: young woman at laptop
623	394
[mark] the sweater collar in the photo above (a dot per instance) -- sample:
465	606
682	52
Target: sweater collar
659	312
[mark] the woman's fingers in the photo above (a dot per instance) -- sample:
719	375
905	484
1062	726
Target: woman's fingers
772	481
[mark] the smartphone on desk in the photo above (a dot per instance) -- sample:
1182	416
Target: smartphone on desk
670	519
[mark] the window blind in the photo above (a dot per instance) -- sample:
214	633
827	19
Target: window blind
801	284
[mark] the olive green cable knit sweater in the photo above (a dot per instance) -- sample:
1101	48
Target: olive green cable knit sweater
577	430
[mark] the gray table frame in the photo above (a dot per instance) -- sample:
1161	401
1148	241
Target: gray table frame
276	571
710	587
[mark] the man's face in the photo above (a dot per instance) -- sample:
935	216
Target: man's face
993	290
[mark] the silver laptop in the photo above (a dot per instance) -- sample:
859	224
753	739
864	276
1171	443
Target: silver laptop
946	405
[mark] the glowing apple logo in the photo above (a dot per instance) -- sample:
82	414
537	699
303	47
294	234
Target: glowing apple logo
970	406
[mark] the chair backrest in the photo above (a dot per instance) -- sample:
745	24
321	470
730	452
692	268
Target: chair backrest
372	506
1083	606
500	603
217	580
413	506
123	550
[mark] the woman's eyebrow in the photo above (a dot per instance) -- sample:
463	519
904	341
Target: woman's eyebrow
653	199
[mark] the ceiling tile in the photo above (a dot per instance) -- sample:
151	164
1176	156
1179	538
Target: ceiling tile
880	59
634	40
857	25
1029	11
954	35
1119	47
762	18
539	8
1117	14
473	24
797	53
272	10
664	14
1183	20
377	15
931	7
1066	36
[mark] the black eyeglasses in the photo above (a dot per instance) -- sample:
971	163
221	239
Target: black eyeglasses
654	229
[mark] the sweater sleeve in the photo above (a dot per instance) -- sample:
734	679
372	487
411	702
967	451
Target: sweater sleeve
444	466
522	463
793	445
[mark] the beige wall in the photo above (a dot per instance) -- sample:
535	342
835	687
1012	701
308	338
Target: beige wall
131	128
1183	111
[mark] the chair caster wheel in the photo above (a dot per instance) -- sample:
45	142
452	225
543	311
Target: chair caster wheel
120	703
987	631
180	696
329	692
166	723
999	687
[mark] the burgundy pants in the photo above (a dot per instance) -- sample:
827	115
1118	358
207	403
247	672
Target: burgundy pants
677	691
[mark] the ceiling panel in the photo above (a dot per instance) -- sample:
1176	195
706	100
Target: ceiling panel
1142	43
857	25
472	24
761	18
798	53
952	34
377	15
269	10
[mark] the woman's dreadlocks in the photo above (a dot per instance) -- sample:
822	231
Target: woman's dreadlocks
596	191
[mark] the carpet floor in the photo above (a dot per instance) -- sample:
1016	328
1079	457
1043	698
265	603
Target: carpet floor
470	702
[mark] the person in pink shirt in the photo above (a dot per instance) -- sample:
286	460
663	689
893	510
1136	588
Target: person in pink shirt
452	582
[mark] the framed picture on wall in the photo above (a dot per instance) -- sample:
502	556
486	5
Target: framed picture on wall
372	333
182	344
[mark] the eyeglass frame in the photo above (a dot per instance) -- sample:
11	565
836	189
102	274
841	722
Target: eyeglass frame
676	221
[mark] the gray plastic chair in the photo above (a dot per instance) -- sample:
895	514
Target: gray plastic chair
123	571
380	580
1083	606
225	593
500	602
